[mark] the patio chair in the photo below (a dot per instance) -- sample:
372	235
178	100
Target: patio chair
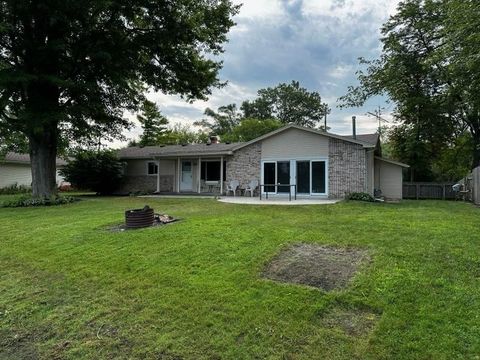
232	187
251	187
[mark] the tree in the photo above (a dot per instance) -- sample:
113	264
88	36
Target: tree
154	124
223	121
249	129
69	69
288	103
12	141
429	68
98	171
182	134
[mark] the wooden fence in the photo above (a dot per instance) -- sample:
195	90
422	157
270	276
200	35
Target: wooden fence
470	189
428	190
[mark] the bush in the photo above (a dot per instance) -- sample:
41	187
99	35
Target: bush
359	196
98	171
15	189
27	201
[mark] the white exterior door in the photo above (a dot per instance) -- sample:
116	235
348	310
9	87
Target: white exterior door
186	178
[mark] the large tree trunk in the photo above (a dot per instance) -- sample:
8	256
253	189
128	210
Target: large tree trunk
43	153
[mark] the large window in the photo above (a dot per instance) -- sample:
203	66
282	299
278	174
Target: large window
210	170
152	168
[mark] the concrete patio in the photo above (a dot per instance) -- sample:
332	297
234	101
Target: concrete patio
275	201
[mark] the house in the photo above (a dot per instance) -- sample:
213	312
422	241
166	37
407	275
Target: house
315	163
15	170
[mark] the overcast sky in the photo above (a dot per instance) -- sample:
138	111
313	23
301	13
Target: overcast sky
316	42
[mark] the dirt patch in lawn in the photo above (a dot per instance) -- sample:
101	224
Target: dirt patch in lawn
352	322
324	267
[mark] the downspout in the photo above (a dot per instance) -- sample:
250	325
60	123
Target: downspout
158	176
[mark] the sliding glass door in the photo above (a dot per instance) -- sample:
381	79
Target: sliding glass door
269	176
283	176
276	173
318	177
303	177
309	175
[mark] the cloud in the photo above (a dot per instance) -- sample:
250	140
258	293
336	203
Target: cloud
316	42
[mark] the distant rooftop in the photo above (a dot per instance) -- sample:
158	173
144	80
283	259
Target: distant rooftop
12	157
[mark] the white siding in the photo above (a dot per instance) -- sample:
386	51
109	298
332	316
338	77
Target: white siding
167	167
11	174
19	174
388	178
136	167
294	144
140	167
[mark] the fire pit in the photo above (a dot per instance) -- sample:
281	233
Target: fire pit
139	218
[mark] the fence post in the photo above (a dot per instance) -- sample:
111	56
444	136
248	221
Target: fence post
417	190
444	191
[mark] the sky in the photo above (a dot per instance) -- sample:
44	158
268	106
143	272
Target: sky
316	42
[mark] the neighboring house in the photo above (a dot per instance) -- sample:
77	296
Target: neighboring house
15	169
319	164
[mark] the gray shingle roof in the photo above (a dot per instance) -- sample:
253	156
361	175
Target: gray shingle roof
137	152
368	138
12	157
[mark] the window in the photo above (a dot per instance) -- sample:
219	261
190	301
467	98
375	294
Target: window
152	168
210	170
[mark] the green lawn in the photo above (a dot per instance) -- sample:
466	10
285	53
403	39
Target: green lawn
70	289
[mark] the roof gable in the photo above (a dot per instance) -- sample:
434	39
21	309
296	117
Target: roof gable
314	131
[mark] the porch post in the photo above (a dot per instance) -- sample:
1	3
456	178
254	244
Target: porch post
221	175
158	176
199	174
178	174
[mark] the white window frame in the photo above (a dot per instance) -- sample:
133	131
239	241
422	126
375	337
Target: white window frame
262	177
326	177
206	169
293	172
157	164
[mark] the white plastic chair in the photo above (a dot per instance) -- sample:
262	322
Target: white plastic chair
233	186
251	187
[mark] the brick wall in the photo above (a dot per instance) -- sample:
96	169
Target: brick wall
244	165
141	183
347	168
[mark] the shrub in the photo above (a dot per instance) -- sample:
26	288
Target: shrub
98	171
359	196
27	201
15	189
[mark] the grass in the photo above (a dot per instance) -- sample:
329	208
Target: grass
71	289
